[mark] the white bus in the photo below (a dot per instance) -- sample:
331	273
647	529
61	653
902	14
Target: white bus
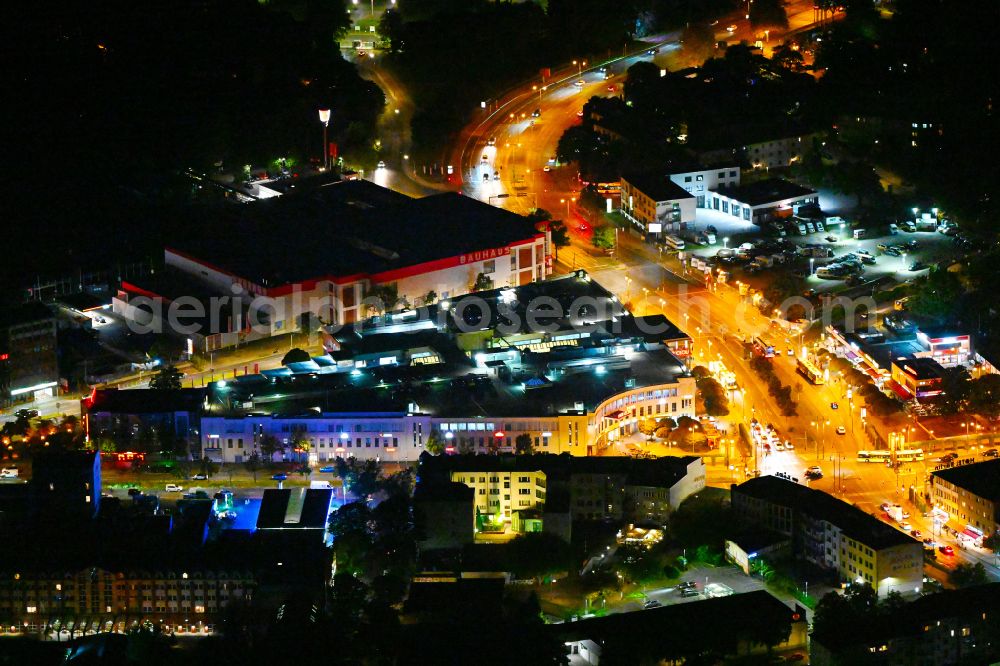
810	371
674	242
903	455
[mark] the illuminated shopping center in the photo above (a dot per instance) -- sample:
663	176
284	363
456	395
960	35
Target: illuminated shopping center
559	360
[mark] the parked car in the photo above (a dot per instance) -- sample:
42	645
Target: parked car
906	527
916	534
174	488
946	550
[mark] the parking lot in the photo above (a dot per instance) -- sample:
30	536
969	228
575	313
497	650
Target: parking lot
828	260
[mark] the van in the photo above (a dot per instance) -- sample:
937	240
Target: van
674	242
909	226
893	229
860	233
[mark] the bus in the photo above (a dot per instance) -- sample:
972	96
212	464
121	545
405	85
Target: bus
810	371
903	455
674	242
762	348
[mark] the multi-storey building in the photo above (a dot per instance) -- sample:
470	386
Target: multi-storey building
246	290
655	205
475	372
970	495
114	412
951	627
29	367
832	534
598	488
89	599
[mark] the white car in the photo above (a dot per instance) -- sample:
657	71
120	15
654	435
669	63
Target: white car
731	29
581	83
174	488
381	165
841	430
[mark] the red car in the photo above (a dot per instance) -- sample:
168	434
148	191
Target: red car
947	550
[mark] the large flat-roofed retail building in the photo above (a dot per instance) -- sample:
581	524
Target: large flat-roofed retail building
321	252
559	361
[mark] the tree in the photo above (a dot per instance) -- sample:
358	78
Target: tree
429	298
984	396
523	444
538	554
392	29
435	443
295	356
559	235
955	389
788	58
167	378
647	427
604	237
967	575
937	296
383	297
483	282
697	43
360	477
269	445
768	15
253	464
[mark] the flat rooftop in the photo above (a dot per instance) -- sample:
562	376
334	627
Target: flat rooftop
919	368
982	479
548	347
657	186
767	191
450	389
343	229
854	522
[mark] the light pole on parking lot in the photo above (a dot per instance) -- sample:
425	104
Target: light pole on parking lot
324	117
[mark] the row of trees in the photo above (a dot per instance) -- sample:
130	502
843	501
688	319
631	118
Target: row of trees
713	394
782	393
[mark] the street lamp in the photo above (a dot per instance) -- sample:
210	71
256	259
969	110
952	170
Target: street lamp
324	117
725	242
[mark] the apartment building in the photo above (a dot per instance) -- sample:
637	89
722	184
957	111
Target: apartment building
833	534
970	495
95	599
950	627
